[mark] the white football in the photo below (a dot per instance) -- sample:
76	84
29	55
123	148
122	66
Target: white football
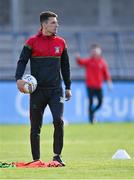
31	83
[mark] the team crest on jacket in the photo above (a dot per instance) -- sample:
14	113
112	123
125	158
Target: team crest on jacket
57	49
61	99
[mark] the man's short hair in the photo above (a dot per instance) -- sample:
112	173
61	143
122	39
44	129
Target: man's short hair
44	16
95	45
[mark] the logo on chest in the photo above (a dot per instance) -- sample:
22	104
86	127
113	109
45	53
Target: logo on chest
57	49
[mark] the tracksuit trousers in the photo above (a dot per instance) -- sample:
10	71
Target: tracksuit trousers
93	108
38	102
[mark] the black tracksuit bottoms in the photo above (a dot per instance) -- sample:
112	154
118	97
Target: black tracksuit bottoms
38	101
93	108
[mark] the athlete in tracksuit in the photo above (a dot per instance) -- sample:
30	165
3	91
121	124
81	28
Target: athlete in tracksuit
96	72
48	61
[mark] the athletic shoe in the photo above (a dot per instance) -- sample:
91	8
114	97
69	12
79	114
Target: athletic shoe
58	159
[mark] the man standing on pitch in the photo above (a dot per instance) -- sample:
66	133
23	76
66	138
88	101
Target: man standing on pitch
96	73
48	61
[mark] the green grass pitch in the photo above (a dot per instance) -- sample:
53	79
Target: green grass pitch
88	151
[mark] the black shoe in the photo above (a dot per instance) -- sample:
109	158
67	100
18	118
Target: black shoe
91	118
58	158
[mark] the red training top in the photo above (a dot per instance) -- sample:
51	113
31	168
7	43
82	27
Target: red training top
48	61
96	71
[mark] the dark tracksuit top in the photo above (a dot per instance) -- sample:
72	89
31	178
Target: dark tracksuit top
48	60
48	56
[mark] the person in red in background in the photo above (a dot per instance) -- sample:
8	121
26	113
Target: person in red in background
96	72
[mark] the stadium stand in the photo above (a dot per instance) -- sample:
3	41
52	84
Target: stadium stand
118	50
80	27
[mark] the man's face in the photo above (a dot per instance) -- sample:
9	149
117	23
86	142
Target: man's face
51	26
96	52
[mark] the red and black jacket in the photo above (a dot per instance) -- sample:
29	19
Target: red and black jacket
48	60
